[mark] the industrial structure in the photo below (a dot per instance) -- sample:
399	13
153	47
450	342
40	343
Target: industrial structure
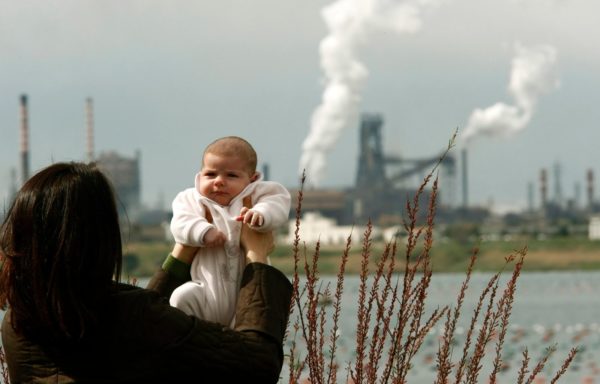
383	185
124	173
383	182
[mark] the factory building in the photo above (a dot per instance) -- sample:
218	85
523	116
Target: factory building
383	185
124	173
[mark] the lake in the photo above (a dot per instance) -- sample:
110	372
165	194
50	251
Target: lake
561	308
553	308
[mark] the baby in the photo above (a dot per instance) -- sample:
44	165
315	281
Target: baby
210	216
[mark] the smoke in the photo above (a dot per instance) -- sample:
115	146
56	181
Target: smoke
532	76
349	23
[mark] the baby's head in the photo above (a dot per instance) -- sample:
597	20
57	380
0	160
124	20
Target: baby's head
233	147
228	166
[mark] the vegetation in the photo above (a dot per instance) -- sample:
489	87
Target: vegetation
451	255
391	320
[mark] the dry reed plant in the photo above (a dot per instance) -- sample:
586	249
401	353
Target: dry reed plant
391	320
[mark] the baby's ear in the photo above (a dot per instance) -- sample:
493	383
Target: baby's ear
254	177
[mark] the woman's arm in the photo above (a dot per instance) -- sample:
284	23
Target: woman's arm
175	270
184	253
252	351
257	245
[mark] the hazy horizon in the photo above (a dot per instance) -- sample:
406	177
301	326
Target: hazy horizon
169	77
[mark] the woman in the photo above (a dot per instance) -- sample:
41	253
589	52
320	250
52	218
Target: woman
70	320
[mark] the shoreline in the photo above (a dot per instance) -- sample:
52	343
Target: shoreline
141	259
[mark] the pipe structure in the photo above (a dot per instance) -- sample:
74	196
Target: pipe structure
24	140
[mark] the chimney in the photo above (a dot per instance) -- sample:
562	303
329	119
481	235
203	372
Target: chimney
590	188
24	140
558	197
89	118
265	171
530	198
543	188
465	181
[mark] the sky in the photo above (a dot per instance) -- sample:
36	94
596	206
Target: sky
519	79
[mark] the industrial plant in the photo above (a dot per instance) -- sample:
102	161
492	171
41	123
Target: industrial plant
383	185
383	182
123	171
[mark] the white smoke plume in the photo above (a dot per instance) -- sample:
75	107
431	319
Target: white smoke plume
349	23
532	75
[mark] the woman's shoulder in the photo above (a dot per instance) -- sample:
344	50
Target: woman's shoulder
132	296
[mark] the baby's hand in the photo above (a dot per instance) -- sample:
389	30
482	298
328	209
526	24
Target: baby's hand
214	238
250	217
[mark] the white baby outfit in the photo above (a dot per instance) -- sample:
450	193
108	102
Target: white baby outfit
216	272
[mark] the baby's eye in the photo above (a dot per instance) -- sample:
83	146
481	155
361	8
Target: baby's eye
233	175
209	174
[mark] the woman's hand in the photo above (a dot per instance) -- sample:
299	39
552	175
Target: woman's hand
184	253
256	244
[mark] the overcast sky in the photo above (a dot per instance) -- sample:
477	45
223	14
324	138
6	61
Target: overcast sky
168	77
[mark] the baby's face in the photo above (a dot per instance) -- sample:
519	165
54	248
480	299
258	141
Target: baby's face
223	178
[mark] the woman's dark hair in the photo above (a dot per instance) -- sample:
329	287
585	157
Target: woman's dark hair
60	248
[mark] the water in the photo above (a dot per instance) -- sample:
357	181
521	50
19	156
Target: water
561	308
556	308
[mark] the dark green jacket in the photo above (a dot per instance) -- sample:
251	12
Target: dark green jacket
143	340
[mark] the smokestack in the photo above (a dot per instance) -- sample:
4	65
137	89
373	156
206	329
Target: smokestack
530	203
89	114
465	181
543	188
24	140
558	198
265	171
590	188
